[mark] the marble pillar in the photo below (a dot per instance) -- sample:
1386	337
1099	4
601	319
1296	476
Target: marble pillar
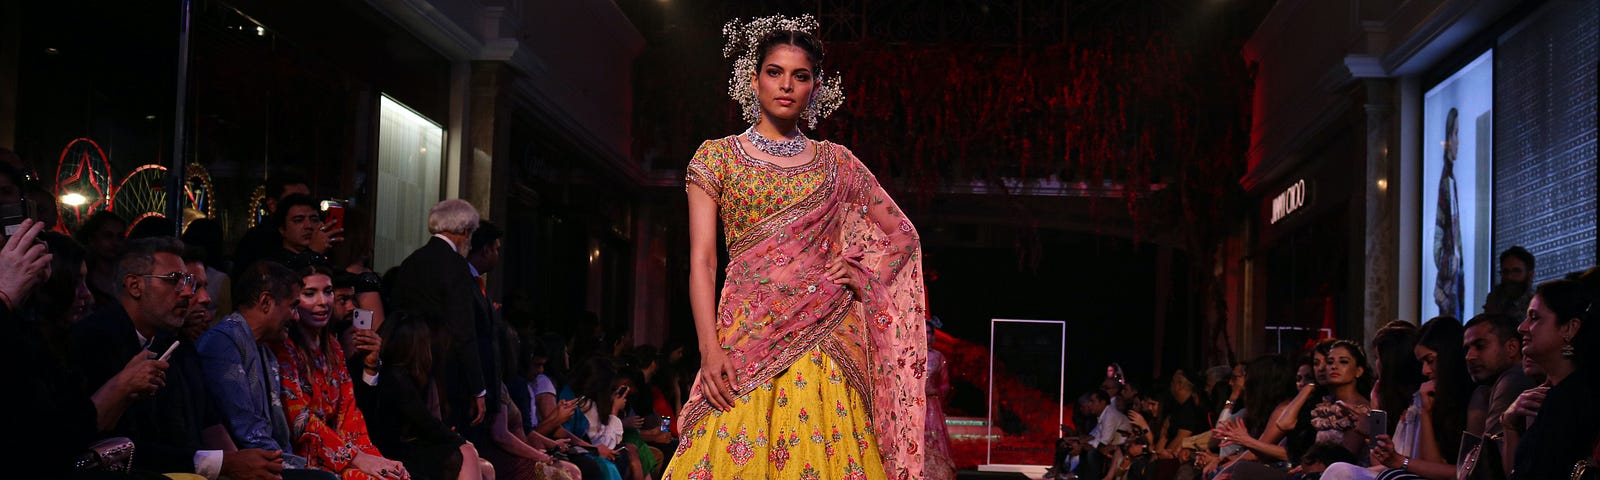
1381	246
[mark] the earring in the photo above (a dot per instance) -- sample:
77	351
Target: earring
1567	351
752	115
810	116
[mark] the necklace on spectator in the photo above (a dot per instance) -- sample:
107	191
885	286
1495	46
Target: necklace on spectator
777	148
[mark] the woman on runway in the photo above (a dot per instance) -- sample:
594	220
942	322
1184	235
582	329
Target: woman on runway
813	359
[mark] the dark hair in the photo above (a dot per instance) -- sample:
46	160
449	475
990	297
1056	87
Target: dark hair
511	349
300	335
152	226
1400	374
1574	299
193	254
1364	382
1098	394
485	235
533	347
555	350
795	38
1519	253
643	356
206	235
640	398
278	281
1452	382
140	257
95	223
280	182
594	378
1269	381
407	346
1504	327
343	279
281	214
58	293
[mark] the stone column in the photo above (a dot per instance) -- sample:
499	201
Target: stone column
484	166
1380	247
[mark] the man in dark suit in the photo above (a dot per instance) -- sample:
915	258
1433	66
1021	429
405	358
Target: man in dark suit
168	427
437	282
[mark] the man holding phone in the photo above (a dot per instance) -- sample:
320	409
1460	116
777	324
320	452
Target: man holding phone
170	426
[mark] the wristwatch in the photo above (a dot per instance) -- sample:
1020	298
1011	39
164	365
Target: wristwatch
1405	464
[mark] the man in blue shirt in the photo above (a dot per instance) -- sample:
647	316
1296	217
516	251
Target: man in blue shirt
241	373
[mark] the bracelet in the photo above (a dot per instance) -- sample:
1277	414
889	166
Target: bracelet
1405	464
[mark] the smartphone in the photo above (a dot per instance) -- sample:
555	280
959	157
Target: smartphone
12	215
1378	423
363	319
168	354
333	214
666	424
622	391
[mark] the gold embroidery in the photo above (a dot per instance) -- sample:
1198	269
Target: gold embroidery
804	342
770	225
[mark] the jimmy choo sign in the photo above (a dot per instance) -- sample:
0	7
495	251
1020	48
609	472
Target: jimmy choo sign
1289	201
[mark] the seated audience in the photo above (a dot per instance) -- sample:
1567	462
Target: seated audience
1399	379
1111	426
318	399
199	317
516	453
595	427
241	372
64	298
62	417
403	425
1073	457
206	235
169	429
1332	425
1494	357
1252	440
1558	336
1444	398
103	235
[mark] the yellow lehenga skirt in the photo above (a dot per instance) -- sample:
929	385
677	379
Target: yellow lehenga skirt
806	423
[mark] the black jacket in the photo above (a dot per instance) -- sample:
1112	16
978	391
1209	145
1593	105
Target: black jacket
437	283
167	426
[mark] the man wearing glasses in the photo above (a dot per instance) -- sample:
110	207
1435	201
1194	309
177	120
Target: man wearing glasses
152	303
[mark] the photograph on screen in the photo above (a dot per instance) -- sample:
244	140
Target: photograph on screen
1456	193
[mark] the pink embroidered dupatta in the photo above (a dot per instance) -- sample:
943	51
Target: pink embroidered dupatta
777	303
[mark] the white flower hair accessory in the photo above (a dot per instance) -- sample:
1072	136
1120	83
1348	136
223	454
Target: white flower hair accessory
743	42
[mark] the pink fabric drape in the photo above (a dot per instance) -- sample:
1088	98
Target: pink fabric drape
778	304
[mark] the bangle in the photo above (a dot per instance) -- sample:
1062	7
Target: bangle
1405	464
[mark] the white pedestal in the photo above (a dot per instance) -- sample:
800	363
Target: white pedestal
1035	472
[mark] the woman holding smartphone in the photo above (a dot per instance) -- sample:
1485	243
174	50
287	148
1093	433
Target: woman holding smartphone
596	428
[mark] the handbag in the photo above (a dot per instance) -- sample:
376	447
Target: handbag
1589	468
1480	458
109	455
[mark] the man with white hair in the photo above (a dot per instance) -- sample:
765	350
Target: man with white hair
436	281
